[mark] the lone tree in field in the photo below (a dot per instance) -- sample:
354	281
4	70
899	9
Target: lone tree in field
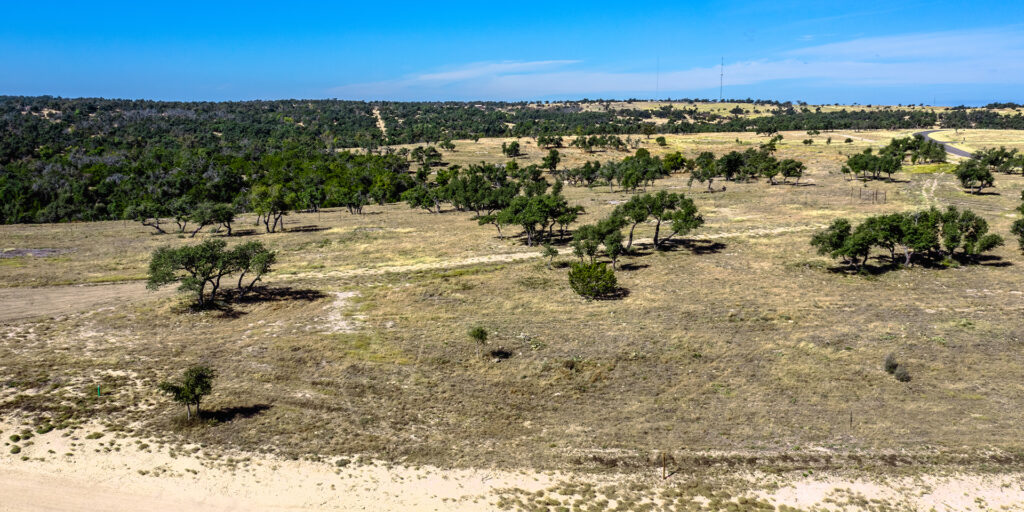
196	383
479	335
208	214
551	161
148	213
510	149
974	175
550	253
202	266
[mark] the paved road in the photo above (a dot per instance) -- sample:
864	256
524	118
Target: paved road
949	149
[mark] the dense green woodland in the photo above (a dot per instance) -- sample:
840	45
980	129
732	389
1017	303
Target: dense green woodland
95	159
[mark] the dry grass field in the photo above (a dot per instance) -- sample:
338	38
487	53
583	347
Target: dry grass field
740	348
973	140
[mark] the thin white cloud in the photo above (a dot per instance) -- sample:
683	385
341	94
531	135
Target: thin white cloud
479	69
956	44
991	57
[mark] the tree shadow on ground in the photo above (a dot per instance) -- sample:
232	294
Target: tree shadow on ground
694	246
227	301
884	265
278	294
990	260
226	414
618	294
305	229
240	232
630	267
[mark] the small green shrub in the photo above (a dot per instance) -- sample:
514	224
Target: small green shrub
42	429
901	374
15	449
890	363
94	435
15	438
479	335
592	280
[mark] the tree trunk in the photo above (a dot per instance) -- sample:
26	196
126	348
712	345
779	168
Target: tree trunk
188	411
155	225
630	243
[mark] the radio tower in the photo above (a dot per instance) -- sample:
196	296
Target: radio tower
721	79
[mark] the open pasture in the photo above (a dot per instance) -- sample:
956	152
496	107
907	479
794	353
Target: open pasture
738	346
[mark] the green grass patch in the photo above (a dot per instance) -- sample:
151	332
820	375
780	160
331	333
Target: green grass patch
929	168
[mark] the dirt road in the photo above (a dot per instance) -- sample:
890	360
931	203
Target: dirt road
20	303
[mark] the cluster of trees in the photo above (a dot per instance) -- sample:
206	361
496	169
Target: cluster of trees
917	149
537	211
869	166
632	172
202	266
498	195
1007	161
976	173
593	142
93	159
642	169
745	166
676	211
933	235
591	278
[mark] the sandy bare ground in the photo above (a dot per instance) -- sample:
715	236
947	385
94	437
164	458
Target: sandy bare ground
150	478
109	474
20	303
380	122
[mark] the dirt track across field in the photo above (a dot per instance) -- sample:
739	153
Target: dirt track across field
20	303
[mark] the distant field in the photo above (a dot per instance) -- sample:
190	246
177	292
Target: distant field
489	150
741	343
725	107
973	140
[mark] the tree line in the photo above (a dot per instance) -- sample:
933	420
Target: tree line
929	236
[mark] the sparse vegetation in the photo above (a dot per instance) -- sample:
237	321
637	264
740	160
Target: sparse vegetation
733	315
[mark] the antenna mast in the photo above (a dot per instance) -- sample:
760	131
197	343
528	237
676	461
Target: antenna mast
721	79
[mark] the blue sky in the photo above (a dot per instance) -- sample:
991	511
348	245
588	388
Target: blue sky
822	52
